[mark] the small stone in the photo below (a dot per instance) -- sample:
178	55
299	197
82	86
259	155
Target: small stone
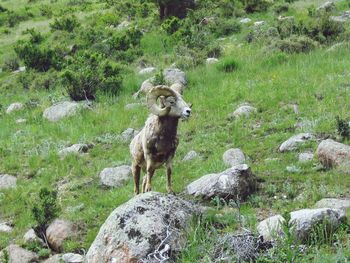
7	181
148	70
5	228
72	258
115	176
128	134
78	148
259	23
295	141
233	157
132	106
306	157
59	231
61	110
211	61
17	106
243	111
17	254
190	156
245	20
293	169
19	121
271	227
31	236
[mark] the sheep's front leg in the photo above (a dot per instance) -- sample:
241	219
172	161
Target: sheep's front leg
148	184
136	171
168	175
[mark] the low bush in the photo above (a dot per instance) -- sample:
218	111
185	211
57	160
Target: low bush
171	25
89	73
281	8
294	44
343	127
226	27
68	23
227	65
10	64
252	6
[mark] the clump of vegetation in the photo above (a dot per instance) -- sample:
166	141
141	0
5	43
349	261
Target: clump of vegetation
45	210
228	65
171	25
252	6
10	64
343	127
89	73
159	78
295	44
68	23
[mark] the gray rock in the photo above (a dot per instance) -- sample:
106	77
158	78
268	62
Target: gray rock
344	17
19	121
243	111
271	227
17	106
132	106
72	258
211	61
115	176
259	23
61	110
175	75
335	203
7	181
237	181
128	134
304	220
245	20
146	223
74	209
334	154
17	254
59	231
78	148
327	7
295	141
53	259
233	157
191	155
30	236
306	157
148	70
5	228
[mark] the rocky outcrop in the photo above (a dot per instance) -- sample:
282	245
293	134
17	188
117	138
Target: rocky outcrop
334	154
147	226
294	142
115	176
61	110
236	182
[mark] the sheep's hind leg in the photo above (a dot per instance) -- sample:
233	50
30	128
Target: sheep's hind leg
136	171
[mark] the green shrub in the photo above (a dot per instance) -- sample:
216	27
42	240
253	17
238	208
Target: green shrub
227	65
214	50
45	10
343	127
226	27
45	210
294	44
159	78
87	73
252	6
281	8
68	23
10	64
171	25
35	36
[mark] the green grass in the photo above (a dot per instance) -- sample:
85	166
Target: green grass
268	81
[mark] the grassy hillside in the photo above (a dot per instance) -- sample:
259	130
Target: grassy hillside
268	76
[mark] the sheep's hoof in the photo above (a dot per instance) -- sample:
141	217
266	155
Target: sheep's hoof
148	188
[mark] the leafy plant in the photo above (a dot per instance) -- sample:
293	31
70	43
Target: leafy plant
68	23
159	78
228	65
343	127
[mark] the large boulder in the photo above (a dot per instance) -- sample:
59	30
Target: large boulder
271	227
175	75
147	226
294	142
235	182
115	176
303	221
59	231
335	203
61	110
16	254
233	157
334	154
14	107
7	181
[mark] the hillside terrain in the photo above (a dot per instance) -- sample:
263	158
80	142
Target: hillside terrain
288	60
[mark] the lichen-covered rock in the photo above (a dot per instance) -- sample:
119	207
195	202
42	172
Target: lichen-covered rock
190	156
334	154
233	157
294	142
78	148
271	227
16	254
243	111
135	230
235	182
14	107
7	181
72	258
59	231
115	176
61	110
304	220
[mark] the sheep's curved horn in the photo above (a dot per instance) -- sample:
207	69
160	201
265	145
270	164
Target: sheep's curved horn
152	97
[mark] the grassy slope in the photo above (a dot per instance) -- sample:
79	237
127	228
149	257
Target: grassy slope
29	150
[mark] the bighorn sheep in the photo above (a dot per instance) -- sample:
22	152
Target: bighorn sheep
156	144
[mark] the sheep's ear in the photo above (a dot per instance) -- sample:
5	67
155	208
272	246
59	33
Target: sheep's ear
162	101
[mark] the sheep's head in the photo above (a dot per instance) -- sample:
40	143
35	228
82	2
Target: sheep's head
171	103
